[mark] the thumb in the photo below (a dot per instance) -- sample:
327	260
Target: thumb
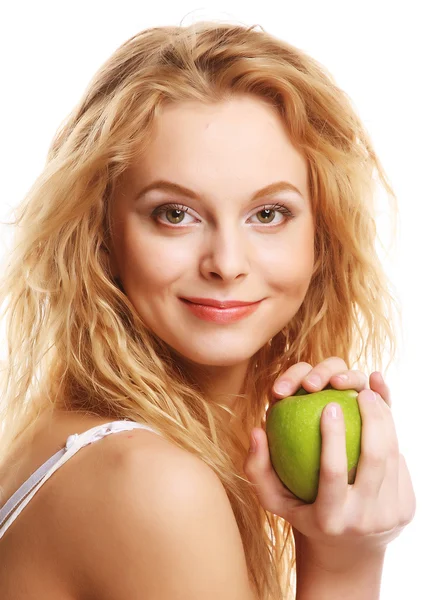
271	492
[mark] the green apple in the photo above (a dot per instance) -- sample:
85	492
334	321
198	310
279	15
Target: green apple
294	437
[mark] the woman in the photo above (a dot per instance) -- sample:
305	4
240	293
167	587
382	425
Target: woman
204	165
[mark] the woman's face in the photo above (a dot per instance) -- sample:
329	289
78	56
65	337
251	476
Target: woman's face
227	245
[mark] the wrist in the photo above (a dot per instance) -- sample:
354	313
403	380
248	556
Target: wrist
328	573
336	558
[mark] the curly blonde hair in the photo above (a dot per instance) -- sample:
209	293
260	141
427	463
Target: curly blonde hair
74	338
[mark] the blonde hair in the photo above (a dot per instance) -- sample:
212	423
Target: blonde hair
74	338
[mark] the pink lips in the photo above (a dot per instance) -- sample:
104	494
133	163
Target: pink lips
221	315
219	303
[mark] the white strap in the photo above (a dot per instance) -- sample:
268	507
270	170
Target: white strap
10	511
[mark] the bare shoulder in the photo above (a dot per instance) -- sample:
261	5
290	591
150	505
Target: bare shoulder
157	525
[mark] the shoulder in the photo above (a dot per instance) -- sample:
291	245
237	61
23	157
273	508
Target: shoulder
139	460
153	517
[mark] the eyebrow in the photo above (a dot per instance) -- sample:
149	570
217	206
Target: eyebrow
169	186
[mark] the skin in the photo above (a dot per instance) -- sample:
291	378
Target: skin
220	248
348	526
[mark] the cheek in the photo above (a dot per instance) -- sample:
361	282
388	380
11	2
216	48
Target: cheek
292	277
153	260
289	268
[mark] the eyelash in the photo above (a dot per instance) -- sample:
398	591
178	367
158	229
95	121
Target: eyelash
180	208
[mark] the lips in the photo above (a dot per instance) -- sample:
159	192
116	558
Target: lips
219	303
222	316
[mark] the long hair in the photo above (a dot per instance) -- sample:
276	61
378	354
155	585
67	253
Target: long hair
74	338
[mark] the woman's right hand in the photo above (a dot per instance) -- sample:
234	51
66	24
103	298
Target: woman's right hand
345	519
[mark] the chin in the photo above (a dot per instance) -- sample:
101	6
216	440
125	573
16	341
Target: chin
217	358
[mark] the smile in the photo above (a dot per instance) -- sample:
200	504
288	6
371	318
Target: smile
220	315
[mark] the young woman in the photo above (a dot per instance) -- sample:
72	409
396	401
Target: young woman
202	234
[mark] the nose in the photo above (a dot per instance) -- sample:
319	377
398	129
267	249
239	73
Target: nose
225	254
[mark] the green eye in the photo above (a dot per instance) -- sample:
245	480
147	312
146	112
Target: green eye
178	219
266	210
274	208
167	208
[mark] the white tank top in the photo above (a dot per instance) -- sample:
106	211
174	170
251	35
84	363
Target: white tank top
13	507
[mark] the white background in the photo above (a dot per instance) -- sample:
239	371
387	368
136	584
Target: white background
376	51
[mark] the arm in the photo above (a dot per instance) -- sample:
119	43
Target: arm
359	581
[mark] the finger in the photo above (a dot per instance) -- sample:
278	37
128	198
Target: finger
353	379
389	492
273	495
373	451
388	499
289	382
407	500
378	385
333	479
320	375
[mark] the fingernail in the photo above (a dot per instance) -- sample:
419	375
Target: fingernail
333	411
370	395
342	377
283	388
314	380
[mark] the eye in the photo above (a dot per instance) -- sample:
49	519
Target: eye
265	212
174	216
173	209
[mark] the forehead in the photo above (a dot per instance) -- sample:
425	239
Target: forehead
241	142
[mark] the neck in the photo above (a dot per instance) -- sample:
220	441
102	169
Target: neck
221	384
